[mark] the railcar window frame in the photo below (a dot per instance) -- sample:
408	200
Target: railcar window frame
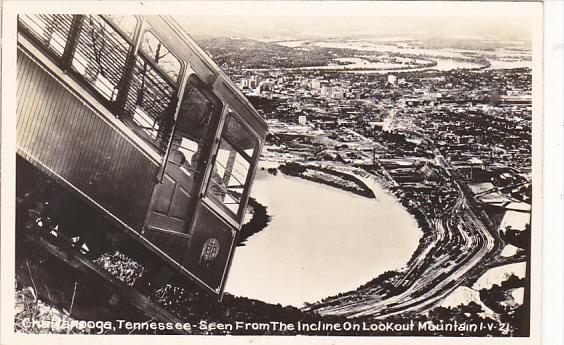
65	61
108	102
33	35
160	141
129	37
252	160
147	29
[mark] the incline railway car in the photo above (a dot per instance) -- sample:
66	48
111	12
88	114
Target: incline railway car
131	116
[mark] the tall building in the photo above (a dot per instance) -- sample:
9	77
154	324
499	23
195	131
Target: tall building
315	84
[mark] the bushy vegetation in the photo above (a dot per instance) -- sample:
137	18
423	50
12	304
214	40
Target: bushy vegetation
259	221
246	53
355	186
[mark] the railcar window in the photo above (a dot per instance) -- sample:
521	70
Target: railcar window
232	165
161	55
100	55
51	30
239	136
126	24
194	123
150	101
151	97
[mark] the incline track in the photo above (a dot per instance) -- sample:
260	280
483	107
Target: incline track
108	297
60	271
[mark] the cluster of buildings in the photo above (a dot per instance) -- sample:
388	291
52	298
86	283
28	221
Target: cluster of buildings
270	85
478	121
474	118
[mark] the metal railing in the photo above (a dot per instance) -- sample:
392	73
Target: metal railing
51	31
95	52
100	56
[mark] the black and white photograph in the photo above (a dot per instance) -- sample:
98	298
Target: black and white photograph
314	169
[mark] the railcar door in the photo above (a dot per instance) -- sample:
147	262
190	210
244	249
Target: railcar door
173	200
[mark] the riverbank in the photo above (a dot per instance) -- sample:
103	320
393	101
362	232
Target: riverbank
389	185
327	176
315	226
258	222
385	283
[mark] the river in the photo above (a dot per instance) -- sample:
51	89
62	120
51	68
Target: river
320	241
499	59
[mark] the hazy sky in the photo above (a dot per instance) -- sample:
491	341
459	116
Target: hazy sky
310	27
489	20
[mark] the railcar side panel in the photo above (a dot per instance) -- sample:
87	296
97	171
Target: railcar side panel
60	134
208	251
